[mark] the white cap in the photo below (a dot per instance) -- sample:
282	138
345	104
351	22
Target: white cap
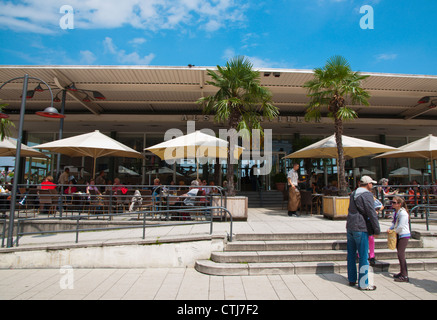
367	179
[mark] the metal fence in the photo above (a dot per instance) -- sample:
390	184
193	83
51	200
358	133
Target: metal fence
139	206
414	195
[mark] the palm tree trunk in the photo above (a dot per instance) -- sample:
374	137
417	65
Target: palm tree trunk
233	123
340	160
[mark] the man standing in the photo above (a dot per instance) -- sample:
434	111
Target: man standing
293	190
361	221
64	179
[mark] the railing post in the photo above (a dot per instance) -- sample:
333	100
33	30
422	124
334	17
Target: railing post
144	225
77	229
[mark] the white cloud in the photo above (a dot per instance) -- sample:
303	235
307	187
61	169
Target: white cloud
126	58
42	16
87	57
137	41
386	56
258	63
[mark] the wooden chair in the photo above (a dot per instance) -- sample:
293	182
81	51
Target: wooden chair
46	199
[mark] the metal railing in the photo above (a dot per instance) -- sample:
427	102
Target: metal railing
158	205
420	196
427	211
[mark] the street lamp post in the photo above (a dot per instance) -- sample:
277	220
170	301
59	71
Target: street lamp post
18	150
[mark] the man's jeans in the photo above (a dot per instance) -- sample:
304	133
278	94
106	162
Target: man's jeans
358	241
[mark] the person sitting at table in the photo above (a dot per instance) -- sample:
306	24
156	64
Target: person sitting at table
92	189
48	184
188	199
213	190
156	189
118	187
314	188
387	192
173	186
71	188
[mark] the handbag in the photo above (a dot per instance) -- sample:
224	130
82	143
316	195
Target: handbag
391	239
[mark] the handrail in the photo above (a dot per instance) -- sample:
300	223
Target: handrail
418	199
78	218
104	208
427	212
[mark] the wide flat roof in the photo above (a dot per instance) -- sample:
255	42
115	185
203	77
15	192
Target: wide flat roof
158	91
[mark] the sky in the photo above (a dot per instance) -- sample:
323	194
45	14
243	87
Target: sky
389	36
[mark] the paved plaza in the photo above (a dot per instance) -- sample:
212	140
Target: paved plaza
188	284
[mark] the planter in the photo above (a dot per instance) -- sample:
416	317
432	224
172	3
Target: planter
335	207
237	206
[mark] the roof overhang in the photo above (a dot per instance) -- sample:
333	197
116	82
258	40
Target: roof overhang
146	91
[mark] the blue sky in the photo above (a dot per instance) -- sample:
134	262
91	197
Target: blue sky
296	34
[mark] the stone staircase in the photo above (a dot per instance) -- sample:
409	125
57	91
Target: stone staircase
300	253
270	199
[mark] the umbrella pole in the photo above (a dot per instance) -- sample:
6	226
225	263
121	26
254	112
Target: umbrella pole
432	171
94	168
197	168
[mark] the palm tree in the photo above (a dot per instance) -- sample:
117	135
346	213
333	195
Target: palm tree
332	86
5	125
240	100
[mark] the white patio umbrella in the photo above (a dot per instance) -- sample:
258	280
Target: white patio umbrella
195	145
163	170
422	148
403	172
8	148
356	172
93	144
124	170
352	148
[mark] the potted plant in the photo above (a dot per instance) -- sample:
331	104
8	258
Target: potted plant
280	179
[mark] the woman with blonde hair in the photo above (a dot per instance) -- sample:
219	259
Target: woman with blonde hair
402	227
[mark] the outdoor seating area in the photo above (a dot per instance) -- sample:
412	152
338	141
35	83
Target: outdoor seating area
136	199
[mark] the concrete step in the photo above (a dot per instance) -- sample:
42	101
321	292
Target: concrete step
311	255
291	253
293	236
246	269
293	245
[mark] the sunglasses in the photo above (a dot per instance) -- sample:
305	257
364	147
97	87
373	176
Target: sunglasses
395	202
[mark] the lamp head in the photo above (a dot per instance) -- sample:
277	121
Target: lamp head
50	112
424	100
98	95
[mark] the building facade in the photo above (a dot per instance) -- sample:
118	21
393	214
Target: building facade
141	103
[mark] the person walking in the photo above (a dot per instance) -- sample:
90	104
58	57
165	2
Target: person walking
378	207
401	226
361	221
293	190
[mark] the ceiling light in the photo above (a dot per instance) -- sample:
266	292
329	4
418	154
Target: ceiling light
98	95
424	100
71	87
29	94
39	88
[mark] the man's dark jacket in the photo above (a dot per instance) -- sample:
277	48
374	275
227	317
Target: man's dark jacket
361	213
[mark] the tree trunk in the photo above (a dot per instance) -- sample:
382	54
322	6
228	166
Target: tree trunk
217	168
233	123
340	159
